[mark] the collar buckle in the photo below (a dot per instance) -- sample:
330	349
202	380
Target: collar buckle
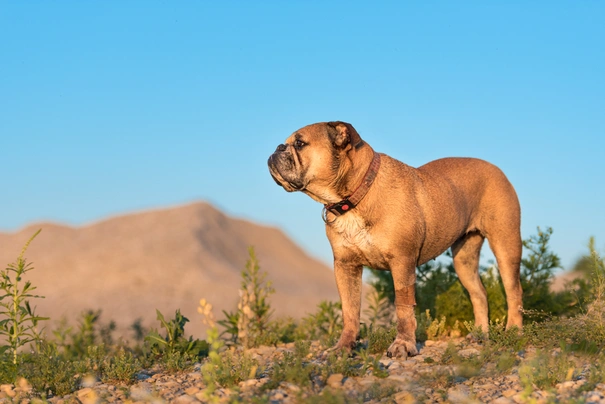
341	207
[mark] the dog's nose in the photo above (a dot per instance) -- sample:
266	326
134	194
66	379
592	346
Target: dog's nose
281	148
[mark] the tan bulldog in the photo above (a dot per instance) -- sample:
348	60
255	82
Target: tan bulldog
384	214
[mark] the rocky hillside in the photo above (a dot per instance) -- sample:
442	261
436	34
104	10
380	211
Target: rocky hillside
166	259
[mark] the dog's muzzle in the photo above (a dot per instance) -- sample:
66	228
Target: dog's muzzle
281	169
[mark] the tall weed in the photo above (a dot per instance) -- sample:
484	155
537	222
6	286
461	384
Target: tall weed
18	321
250	323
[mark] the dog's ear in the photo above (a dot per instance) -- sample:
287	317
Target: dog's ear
342	134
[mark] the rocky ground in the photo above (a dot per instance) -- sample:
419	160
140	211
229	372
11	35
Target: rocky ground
423	378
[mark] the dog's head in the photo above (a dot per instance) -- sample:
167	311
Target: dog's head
315	159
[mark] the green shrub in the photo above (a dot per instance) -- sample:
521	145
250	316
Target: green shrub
546	370
75	344
174	350
380	310
429	328
121	367
501	338
293	368
583	331
380	338
249	324
325	324
18	322
505	361
235	367
371	362
537	273
49	373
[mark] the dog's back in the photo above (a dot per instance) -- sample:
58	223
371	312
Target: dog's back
471	187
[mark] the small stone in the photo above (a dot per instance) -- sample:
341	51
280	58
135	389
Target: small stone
83	392
349	384
24	385
509	393
458	394
289	386
246	384
265	350
460	379
191	390
194	376
502	400
141	391
169	384
335	380
10	393
395	365
404	397
386	362
467	353
278	395
513	378
408	363
367	381
430	343
567	385
518	398
594	398
185	399
399	378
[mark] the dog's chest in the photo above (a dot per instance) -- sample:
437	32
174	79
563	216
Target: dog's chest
355	234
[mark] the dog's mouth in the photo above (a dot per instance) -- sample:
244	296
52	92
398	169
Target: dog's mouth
290	185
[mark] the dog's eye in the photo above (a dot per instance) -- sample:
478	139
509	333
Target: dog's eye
298	144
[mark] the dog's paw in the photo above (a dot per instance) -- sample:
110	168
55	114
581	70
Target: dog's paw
338	349
334	350
402	349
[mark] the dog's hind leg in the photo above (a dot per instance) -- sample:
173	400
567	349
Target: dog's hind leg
507	247
466	252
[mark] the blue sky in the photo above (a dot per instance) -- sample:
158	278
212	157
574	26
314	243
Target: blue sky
111	107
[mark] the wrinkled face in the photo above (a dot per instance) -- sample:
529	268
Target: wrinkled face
313	159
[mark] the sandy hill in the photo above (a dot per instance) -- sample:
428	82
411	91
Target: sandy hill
167	259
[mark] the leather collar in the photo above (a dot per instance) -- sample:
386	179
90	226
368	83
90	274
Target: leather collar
344	206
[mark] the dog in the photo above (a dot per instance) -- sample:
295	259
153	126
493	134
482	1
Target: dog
384	214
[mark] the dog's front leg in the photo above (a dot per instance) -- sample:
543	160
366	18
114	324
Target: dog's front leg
348	281
404	280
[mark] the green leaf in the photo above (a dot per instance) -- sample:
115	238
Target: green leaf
161	319
154	337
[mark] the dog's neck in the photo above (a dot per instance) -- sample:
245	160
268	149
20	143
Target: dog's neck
352	174
349	176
